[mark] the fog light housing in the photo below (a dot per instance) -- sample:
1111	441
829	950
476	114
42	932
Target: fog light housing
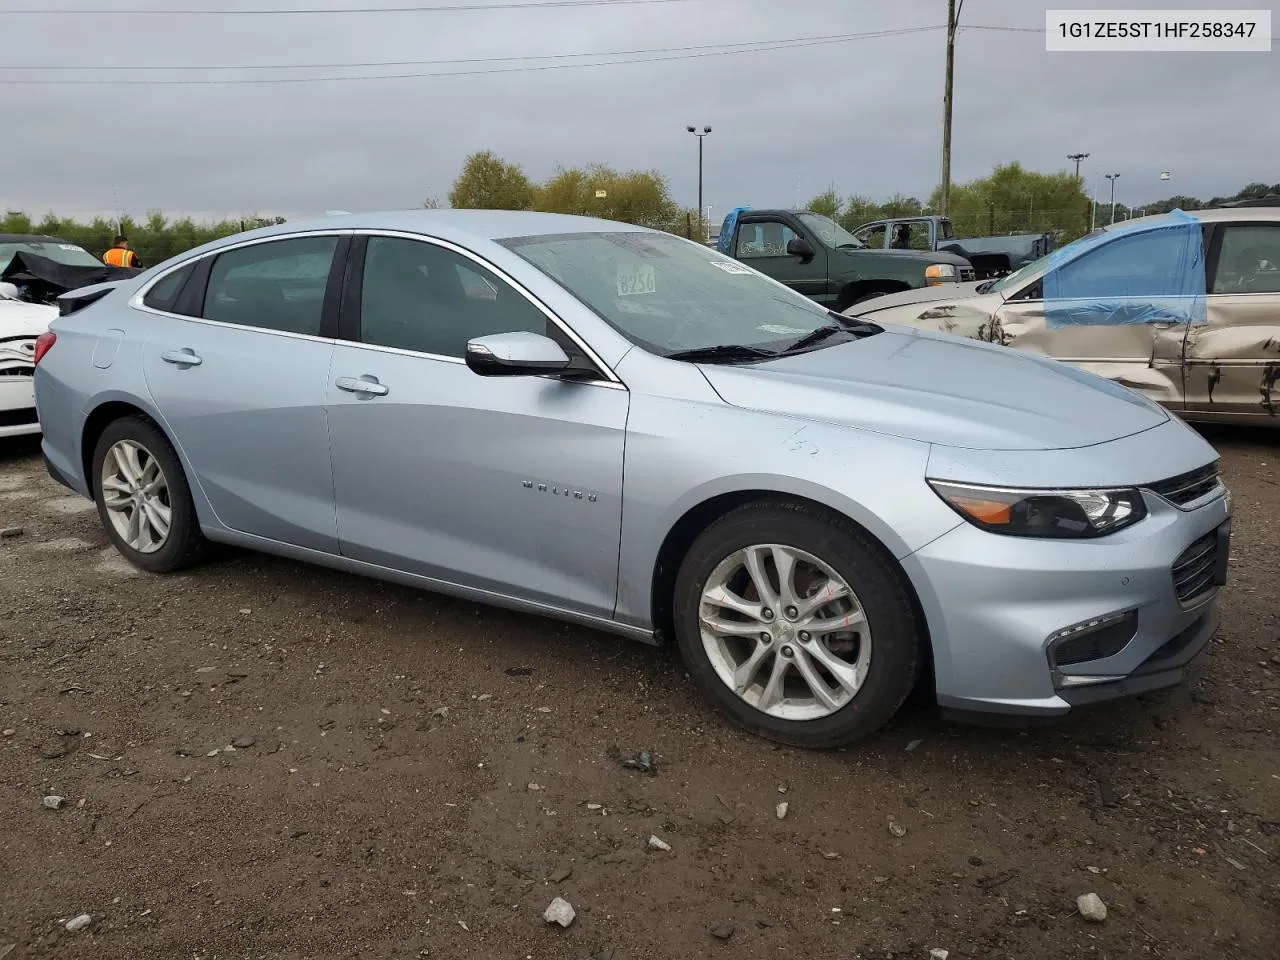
1094	639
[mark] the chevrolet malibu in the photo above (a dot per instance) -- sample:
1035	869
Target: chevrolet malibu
625	429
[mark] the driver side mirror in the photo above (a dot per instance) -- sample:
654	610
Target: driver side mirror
800	247
515	354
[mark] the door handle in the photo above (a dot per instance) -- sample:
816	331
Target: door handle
362	385
183	358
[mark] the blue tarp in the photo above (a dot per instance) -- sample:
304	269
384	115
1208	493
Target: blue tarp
1149	272
725	239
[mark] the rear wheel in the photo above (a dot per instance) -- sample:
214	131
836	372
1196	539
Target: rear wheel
795	625
143	498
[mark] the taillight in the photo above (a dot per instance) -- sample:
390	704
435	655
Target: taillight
43	343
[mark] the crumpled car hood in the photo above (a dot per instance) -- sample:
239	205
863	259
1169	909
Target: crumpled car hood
941	389
943	291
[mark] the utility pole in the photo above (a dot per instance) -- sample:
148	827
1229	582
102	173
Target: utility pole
1113	177
953	17
702	227
1077	157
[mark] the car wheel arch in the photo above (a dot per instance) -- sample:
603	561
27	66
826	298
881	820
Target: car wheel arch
852	292
681	535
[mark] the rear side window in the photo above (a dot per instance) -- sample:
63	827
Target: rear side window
278	285
164	294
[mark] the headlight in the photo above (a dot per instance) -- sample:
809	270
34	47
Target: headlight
940	272
1060	514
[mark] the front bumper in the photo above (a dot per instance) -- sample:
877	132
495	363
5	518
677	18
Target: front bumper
17	406
995	604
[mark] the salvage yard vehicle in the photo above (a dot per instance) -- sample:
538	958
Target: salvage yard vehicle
637	433
814	255
1181	307
34	270
991	257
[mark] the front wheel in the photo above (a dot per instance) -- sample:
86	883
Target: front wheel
793	623
143	498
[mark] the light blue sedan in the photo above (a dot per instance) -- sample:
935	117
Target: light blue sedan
628	430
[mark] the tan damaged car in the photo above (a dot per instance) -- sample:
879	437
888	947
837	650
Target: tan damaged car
1218	360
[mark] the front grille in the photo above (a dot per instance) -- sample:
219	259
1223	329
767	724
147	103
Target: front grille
1187	487
1194	569
17	371
966	274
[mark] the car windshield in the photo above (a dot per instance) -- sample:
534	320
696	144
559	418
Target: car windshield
830	232
1029	270
670	296
67	254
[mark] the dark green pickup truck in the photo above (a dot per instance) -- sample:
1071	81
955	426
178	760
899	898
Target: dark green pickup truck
814	255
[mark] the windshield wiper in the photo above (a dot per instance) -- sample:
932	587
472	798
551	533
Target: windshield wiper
816	337
723	353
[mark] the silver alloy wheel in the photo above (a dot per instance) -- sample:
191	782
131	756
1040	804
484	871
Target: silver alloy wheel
136	495
785	632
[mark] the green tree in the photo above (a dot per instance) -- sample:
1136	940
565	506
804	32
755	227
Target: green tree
488	182
826	204
1014	200
641	197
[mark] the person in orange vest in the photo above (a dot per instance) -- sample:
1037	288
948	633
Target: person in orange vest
121	256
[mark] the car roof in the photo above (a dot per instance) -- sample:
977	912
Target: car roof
1215	215
28	238
461	225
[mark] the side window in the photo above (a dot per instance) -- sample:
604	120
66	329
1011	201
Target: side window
1140	265
1249	260
917	236
163	295
277	285
426	298
768	238
872	236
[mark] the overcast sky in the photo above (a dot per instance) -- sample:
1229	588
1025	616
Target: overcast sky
863	115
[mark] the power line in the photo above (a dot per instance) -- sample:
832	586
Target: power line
291	11
436	63
665	54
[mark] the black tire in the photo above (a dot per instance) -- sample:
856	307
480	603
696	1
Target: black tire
897	647
185	545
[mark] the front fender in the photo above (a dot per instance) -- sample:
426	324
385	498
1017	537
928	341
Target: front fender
676	462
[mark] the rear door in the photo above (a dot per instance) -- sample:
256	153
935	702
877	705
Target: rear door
238	374
761	243
1233	360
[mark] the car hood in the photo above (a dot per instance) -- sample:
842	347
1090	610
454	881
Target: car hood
21	319
943	291
941	389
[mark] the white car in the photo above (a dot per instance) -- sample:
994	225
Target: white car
45	268
20	324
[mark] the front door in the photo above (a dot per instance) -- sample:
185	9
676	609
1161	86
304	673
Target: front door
1233	360
761	243
240	383
1116	310
506	484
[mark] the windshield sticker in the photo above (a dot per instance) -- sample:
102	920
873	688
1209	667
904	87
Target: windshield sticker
728	266
67	246
637	280
782	331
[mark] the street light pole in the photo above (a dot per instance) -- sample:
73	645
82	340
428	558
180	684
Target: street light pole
700	134
1077	157
1113	177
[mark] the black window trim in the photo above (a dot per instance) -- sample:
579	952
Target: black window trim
193	291
348	324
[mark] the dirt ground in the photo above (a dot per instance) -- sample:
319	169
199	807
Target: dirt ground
419	777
